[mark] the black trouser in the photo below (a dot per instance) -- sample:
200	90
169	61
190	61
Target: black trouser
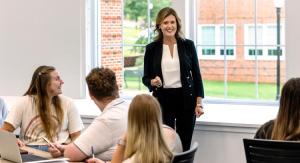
176	116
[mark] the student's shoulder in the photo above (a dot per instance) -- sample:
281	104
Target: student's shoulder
153	44
66	101
185	41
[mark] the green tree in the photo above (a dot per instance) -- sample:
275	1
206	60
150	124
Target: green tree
137	9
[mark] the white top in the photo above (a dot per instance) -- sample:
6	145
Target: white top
170	68
104	132
172	139
24	115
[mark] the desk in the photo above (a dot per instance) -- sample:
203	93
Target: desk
35	152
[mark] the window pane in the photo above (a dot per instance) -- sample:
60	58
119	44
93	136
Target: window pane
138	26
210	15
251	38
266	13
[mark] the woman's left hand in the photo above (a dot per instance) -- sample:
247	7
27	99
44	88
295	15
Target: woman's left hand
199	111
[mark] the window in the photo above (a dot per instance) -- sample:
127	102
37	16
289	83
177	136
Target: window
266	42
246	32
211	38
138	25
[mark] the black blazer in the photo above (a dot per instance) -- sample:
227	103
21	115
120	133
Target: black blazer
190	75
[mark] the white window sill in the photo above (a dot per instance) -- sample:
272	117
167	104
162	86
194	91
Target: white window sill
216	113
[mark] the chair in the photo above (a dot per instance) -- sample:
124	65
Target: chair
187	156
271	151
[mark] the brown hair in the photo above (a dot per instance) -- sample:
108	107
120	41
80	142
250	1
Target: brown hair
162	14
38	89
144	132
287	123
102	83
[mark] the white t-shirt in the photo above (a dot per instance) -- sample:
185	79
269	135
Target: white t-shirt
105	131
24	115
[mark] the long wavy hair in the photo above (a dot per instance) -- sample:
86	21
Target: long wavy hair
162	14
38	90
144	132
287	123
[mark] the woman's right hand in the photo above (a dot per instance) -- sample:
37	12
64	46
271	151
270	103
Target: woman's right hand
20	143
156	82
56	150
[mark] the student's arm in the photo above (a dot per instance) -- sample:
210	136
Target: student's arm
74	135
8	127
118	155
70	151
74	153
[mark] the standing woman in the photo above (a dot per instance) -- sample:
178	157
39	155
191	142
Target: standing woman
171	72
43	112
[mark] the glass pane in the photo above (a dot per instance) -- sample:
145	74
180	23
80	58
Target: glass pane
133	67
269	65
138	28
210	15
241	71
135	27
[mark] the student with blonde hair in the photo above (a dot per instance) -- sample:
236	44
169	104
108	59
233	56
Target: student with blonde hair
44	112
146	140
286	126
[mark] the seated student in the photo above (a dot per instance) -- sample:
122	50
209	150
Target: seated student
286	126
43	112
146	140
102	135
3	111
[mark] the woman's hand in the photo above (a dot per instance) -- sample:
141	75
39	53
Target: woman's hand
20	143
94	160
56	150
156	82
199	111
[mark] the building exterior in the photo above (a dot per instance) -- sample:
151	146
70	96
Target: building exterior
242	41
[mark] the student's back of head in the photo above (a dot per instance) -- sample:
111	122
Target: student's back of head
144	133
287	123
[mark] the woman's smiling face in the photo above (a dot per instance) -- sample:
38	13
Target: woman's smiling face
169	26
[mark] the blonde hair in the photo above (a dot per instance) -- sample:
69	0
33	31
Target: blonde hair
287	123
38	90
162	14
144	133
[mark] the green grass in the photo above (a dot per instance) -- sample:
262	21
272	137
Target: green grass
236	90
240	90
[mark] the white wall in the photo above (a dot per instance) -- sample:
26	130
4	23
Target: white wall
292	39
42	32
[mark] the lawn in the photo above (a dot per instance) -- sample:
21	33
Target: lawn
236	90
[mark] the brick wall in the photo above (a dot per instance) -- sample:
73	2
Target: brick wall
239	13
111	36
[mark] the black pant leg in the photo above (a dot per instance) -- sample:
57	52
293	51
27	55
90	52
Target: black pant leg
167	109
185	123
